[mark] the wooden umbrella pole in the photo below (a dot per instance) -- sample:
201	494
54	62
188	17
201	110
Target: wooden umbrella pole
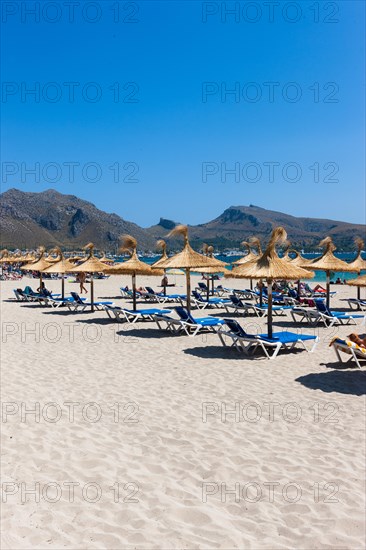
92	292
208	289
63	287
188	282
261	293
213	285
269	311
251	284
359	294
164	282
328	288
134	290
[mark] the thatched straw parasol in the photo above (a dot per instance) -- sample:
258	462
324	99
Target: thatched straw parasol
189	259
106	260
253	241
358	264
52	259
62	266
38	265
76	259
249	256
211	271
328	262
7	258
299	260
10	258
161	244
209	250
133	266
270	266
28	257
90	265
360	281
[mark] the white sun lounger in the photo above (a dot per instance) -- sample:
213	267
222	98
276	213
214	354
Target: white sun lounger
356	353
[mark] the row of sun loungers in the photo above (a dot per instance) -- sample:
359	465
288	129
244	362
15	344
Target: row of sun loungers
322	314
228	330
73	302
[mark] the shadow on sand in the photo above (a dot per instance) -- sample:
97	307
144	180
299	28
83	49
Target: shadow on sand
215	352
345	380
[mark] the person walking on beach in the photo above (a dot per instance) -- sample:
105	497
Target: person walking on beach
81	280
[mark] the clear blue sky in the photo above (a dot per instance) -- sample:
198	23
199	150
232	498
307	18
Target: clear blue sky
176	123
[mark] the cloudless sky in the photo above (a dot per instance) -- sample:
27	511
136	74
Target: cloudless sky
172	135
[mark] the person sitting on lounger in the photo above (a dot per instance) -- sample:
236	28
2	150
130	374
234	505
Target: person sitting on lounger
358	339
41	289
319	288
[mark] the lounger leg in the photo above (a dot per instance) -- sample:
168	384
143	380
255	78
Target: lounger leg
316	341
355	358
277	349
338	354
222	339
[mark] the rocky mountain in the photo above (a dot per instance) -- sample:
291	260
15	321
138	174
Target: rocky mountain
238	222
49	218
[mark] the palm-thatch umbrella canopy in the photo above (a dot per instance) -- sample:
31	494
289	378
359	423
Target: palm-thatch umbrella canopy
133	266
328	262
28	257
76	259
90	265
38	265
189	259
209	250
10	259
270	266
254	241
212	271
106	260
358	264
161	244
299	260
62	266
360	281
6	258
248	256
52	259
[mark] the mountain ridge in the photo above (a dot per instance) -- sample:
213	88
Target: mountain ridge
52	218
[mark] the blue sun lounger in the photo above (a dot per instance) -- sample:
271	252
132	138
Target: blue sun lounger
330	318
77	303
356	304
193	325
134	315
153	296
202	302
249	343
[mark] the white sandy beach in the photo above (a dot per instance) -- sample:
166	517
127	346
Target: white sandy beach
293	457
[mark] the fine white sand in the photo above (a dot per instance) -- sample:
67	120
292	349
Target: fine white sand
300	420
